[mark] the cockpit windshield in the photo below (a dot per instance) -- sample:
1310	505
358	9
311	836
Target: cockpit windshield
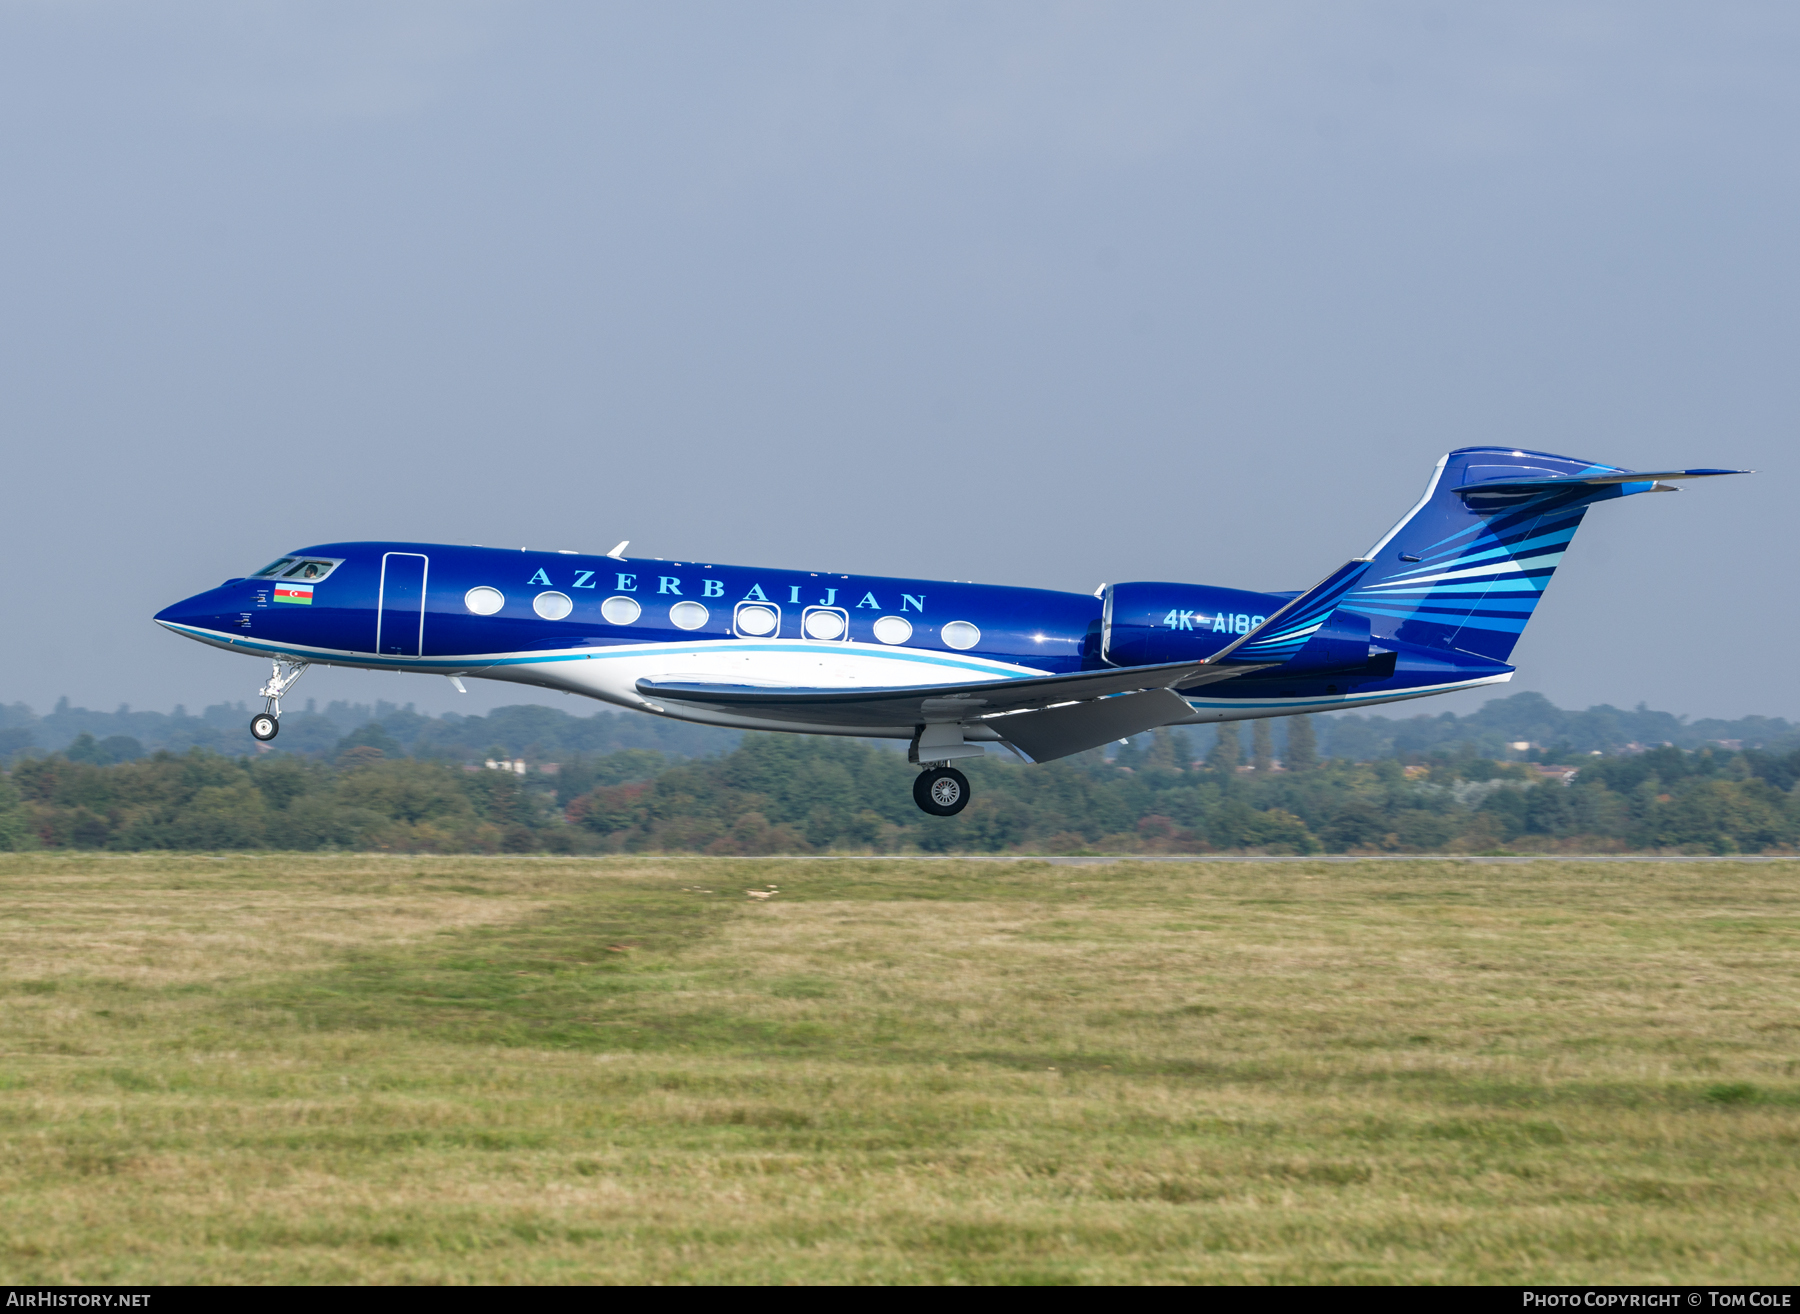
306	569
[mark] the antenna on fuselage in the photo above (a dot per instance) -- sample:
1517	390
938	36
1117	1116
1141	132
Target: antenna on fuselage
618	553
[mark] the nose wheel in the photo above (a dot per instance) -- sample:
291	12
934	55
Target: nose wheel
941	791
266	724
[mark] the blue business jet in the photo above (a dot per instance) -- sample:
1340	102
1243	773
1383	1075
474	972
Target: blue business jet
1436	605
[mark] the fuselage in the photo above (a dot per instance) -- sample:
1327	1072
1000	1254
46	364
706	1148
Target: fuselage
597	625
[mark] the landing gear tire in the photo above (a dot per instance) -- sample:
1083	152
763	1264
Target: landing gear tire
283	671
941	791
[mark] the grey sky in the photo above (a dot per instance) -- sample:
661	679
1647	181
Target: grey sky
1041	294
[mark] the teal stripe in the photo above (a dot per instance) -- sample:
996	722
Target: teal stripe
1493	570
1472	618
585	654
1469	558
1510	583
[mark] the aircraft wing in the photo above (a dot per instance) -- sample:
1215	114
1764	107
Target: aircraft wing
1047	716
994	703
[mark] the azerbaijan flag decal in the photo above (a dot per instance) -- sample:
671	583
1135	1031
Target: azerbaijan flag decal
301	593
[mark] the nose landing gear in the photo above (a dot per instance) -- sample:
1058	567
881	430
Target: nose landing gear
266	724
942	791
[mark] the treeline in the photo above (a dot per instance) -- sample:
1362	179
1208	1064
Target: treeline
796	794
1553	734
543	734
549	734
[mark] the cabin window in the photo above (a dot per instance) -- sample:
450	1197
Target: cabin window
961	634
552	605
688	615
620	610
825	623
484	601
756	620
893	629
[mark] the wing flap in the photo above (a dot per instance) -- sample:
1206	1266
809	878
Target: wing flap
1055	732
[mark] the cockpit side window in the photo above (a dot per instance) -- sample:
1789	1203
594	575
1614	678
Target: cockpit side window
307	570
310	569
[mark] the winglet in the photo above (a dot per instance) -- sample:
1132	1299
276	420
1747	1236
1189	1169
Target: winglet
618	553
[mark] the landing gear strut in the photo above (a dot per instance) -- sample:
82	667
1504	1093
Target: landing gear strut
266	724
942	791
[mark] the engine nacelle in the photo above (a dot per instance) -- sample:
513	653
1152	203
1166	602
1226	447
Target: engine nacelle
1146	623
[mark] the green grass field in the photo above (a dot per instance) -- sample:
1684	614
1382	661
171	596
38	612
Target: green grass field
388	1069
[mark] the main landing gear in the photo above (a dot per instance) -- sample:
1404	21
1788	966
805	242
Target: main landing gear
266	724
942	791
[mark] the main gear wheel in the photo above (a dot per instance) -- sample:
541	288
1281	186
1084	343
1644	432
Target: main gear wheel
941	791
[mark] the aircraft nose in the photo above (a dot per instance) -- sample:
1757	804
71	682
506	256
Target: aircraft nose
202	611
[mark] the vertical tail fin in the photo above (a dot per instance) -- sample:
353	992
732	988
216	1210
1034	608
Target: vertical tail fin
1466	567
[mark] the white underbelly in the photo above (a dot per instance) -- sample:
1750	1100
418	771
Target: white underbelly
612	673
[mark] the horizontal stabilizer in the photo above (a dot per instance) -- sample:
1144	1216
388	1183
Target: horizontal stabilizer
1503	483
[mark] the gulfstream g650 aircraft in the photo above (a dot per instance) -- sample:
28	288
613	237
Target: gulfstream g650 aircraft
1437	604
